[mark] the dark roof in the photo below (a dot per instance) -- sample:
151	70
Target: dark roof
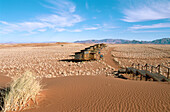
87	48
77	52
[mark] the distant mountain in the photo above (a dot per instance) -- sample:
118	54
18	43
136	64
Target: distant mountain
114	41
161	41
121	41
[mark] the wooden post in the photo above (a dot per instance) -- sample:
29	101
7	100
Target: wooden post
151	69
138	66
140	77
159	69
133	65
133	76
146	66
168	73
146	78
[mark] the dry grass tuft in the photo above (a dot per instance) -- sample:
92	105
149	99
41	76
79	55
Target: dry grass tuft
22	90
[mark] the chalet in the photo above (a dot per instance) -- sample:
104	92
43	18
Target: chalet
103	45
94	56
78	56
86	54
96	45
89	53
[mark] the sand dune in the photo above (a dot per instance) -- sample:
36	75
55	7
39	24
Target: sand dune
100	93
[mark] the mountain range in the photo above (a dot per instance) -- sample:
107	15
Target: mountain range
122	41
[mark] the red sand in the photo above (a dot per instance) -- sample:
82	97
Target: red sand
99	93
4	80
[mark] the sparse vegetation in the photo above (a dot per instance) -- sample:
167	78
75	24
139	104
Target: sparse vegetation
45	61
20	92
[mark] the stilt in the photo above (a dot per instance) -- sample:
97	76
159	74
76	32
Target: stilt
140	77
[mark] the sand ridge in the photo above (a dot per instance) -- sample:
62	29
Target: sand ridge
100	93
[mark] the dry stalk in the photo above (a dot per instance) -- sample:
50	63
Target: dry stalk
22	90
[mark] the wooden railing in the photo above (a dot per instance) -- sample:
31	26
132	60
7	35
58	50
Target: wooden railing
153	69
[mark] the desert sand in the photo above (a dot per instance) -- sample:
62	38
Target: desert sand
4	81
87	86
100	93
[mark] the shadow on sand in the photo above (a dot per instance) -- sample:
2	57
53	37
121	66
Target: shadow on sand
73	60
118	75
122	77
3	92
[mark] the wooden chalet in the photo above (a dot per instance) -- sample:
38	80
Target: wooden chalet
103	45
97	45
89	53
78	56
94	56
86	54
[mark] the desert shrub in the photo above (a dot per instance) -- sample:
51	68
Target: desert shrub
20	92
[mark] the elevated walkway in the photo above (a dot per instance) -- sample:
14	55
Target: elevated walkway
146	74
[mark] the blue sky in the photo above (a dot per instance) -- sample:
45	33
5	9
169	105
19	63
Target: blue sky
71	20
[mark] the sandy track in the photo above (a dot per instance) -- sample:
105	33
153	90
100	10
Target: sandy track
108	58
99	94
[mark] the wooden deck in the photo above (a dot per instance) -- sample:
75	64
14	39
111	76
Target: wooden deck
146	73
